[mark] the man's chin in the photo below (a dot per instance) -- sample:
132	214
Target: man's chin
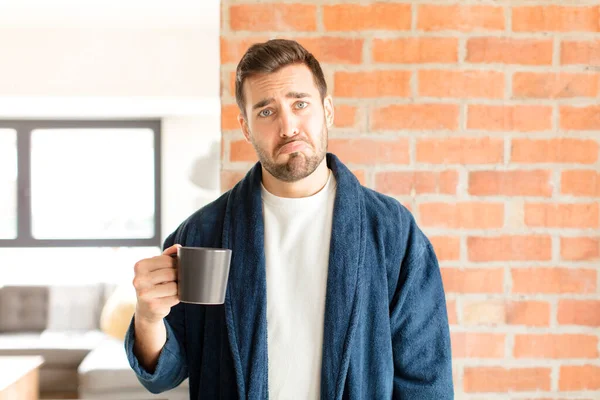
295	168
291	176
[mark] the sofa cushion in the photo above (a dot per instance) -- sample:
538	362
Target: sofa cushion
23	308
57	308
106	368
75	307
118	311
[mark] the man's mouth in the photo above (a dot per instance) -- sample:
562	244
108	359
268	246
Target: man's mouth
292	147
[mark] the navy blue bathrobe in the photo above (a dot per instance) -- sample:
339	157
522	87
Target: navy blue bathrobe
385	326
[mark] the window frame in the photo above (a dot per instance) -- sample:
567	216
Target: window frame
24	129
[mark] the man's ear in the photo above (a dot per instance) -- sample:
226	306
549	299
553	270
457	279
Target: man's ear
329	113
244	126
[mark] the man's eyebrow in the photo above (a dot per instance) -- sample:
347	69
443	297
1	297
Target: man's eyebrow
262	103
293	95
297	95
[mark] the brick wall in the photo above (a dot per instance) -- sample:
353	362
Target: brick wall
484	119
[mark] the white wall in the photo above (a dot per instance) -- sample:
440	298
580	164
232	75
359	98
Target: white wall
92	61
119	59
191	167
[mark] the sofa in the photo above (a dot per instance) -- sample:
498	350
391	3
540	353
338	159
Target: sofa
63	325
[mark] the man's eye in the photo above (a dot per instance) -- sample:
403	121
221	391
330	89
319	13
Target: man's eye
301	104
265	113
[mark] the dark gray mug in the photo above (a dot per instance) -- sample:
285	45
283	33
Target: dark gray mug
202	274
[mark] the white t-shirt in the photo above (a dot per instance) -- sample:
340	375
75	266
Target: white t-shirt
297	237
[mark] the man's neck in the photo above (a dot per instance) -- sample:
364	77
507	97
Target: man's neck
302	188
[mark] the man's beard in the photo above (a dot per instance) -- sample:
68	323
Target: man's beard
298	166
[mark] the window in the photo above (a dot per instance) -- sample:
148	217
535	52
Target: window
78	191
8	184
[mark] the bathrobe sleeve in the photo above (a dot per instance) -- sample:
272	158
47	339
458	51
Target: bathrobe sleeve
171	368
419	324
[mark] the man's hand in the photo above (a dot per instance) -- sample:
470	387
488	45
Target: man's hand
155	285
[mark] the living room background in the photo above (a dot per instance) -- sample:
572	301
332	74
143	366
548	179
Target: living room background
119	61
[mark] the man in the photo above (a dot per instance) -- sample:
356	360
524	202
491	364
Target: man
333	290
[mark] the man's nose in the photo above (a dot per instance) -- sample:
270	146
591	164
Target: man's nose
288	124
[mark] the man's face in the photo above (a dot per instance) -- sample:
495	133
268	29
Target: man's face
287	121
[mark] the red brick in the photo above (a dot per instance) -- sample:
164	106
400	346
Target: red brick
487	312
498	379
477	345
224	146
585	52
580	248
580	118
528	313
509	248
233	48
453	150
273	17
554	85
473	280
338	50
561	150
509	51
415	50
344	116
579	377
229	114
471	215
241	150
579	312
554	215
580	183
435	17
451	308
499	312
510	183
404	182
372	84
415	117
555	19
456	374
554	280
360	175
357	17
231	84
368	151
230	178
547	398
461	84
501	118
555	346
447	248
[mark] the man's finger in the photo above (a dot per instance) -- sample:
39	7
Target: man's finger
171	250
150	265
161	290
164	275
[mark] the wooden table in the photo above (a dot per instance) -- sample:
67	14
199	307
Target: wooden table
19	377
